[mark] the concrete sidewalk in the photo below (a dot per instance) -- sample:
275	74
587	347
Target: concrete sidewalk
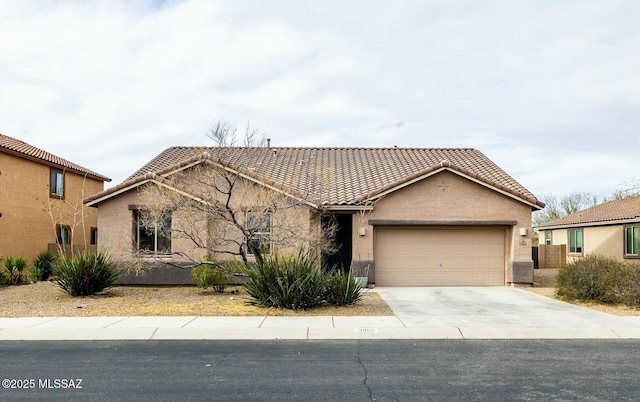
276	327
419	313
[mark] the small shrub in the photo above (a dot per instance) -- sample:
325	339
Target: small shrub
296	282
85	274
627	288
42	266
594	277
15	267
343	289
208	275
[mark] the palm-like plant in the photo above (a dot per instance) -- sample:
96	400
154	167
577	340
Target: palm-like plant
15	266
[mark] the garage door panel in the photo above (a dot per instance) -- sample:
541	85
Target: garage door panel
496	250
439	257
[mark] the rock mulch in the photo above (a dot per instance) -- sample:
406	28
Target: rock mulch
45	299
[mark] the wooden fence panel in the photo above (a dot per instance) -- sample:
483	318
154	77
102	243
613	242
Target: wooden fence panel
552	256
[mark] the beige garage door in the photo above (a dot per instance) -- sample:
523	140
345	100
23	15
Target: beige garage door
439	257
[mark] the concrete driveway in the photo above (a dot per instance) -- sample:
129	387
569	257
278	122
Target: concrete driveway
492	307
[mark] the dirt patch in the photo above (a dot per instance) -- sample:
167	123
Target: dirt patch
45	299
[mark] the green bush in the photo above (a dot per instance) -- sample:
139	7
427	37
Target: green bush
295	282
15	267
85	274
599	278
208	275
42	266
343	289
627	289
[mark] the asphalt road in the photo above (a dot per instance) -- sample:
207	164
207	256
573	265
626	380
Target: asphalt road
386	370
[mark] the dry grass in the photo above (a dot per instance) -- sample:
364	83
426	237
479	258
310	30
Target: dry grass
45	299
545	282
615	309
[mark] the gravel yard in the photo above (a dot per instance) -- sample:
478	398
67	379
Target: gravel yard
45	299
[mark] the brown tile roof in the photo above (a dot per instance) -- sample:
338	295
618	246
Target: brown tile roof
24	150
616	211
338	176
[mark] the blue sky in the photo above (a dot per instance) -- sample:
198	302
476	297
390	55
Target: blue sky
549	90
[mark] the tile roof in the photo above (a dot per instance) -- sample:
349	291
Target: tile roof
22	149
338	176
616	211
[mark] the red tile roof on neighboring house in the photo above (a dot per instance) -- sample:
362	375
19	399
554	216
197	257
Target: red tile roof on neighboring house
335	176
612	212
24	150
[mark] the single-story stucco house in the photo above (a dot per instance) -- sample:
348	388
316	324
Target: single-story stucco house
415	216
610	229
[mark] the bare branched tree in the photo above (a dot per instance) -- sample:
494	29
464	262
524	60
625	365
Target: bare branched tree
223	135
560	207
218	212
70	214
630	188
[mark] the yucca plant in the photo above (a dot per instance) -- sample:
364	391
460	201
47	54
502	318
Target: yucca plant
344	289
15	267
85	274
295	282
43	266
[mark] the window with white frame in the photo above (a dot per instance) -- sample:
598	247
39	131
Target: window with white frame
259	226
631	248
575	241
548	237
153	238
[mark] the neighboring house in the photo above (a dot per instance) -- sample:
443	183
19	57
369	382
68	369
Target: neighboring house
415	216
41	200
610	229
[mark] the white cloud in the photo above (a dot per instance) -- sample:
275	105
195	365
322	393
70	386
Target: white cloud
549	90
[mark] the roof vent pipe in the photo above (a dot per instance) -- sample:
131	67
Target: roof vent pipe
268	142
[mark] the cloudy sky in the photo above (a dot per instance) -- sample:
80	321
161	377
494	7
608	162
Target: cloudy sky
549	90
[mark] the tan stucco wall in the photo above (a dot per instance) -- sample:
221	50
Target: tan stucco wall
604	240
449	197
117	225
117	228
25	226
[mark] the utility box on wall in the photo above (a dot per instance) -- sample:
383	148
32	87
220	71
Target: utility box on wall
521	272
